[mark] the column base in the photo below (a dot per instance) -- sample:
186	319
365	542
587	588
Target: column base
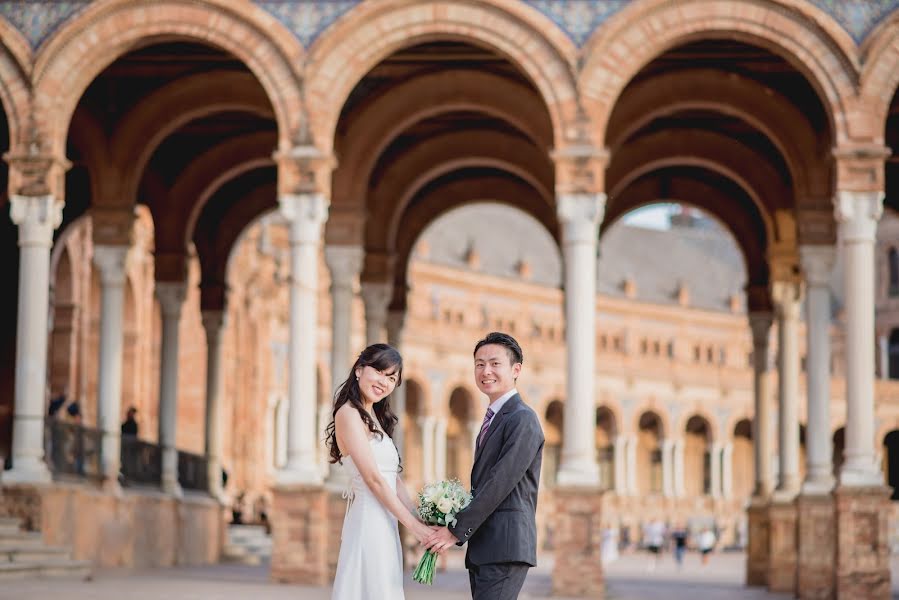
862	542
782	546
817	547
758	546
579	475
577	572
300	535
27	472
304	475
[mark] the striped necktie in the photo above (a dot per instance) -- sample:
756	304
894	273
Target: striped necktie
487	418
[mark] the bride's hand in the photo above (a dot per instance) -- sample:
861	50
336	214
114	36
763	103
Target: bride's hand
422	532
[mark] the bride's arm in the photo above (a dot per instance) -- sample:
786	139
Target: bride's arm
403	493
353	440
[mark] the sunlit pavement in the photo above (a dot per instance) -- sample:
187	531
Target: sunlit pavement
632	577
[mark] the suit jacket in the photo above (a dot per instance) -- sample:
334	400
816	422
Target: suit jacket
500	523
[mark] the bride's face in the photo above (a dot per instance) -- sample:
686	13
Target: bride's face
376	385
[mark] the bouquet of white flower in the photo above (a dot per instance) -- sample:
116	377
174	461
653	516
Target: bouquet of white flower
438	504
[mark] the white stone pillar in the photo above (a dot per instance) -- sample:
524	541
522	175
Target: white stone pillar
171	298
440	449
631	466
817	263
620	459
883	347
376	298
111	263
679	489
786	296
306	214
715	452
36	217
427	448
667	468
344	264
727	471
214	323
760	325
579	216
857	214
396	322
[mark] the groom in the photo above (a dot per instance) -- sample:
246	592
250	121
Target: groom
500	523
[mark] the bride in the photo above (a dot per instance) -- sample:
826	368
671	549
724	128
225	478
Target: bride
370	564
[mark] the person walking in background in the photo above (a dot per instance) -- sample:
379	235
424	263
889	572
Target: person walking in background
706	544
679	536
129	425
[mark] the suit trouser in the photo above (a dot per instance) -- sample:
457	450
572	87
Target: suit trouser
500	581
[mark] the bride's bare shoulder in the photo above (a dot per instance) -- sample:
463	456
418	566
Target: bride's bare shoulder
347	415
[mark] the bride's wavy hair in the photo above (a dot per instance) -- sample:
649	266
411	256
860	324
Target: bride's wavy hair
377	356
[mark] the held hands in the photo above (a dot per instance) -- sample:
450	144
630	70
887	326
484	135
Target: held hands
441	540
423	533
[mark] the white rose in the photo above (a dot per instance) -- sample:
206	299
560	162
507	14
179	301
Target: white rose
445	505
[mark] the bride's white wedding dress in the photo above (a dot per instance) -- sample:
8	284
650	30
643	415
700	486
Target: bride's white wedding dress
370	564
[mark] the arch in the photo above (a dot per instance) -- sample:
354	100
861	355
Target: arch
893	262
879	77
733	95
806	37
15	62
650	433
698	436
891	461
655	419
104	31
742	459
372	31
554	430
893	352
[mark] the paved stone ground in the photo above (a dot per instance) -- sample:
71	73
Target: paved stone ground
630	578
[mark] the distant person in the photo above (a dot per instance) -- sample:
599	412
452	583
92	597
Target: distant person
56	404
679	536
654	539
74	412
706	544
609	547
129	425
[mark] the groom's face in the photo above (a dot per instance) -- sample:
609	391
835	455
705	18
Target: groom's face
494	372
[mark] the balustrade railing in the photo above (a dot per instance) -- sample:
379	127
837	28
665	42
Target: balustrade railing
141	462
72	450
192	472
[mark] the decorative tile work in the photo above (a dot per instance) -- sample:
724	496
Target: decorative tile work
38	19
307	19
578	18
858	17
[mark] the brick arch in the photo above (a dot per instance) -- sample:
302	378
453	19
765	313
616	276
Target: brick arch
711	422
106	30
808	38
472	408
661	413
742	222
880	77
714	151
734	95
373	30
442	154
617	422
371	128
15	63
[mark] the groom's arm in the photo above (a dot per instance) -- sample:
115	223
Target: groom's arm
524	438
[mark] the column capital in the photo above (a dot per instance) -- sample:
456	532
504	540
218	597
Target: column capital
37	218
817	263
857	214
376	296
213	322
112	262
306	213
344	263
112	225
171	297
580	215
35	173
787	297
580	165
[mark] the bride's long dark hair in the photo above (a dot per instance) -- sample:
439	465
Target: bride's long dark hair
377	356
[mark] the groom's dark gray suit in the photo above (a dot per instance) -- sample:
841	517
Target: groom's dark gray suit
500	523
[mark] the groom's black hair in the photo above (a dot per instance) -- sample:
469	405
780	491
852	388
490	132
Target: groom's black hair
505	340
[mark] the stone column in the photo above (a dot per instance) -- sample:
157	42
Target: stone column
817	262
862	505
306	214
727	471
760	324
396	322
668	468
440	449
171	298
631	466
214	323
36	217
376	297
787	303
345	264
111	263
678	452
715	467
620	455
427	449
883	347
579	216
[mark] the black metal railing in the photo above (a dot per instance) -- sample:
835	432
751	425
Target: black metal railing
193	473
72	450
141	462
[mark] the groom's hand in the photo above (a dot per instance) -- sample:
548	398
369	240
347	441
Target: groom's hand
441	540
